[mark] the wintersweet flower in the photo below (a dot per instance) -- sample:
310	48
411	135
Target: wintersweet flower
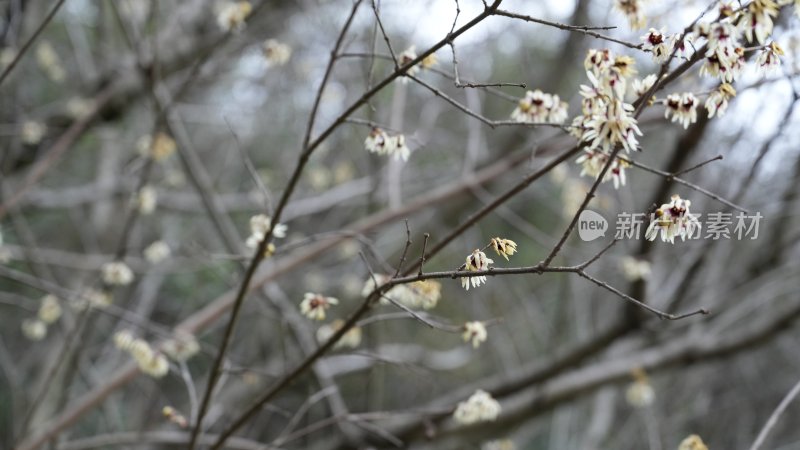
476	262
633	12
49	309
683	108
635	269
314	306
157	252
117	273
538	107
34	329
181	347
657	43
640	393
480	407
757	19
350	339
380	142
406	57
232	15
612	127
717	101
32	132
474	332
693	442
769	59
673	219
276	52
593	161
504	247
642	86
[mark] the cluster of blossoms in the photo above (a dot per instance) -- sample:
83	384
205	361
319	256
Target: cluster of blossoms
592	163
181	347
314	306
93	298
474	332
260	224
693	442
146	200
640	393
661	46
159	147
409	55
157	252
717	101
417	295
150	361
632	9
50	63
49	312
673	219
538	107
32	132
117	273
350	339
276	52
682	108
480	407
477	261
231	15
635	269
606	121
769	60
380	142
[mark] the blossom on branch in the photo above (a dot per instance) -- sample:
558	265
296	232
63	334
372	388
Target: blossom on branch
504	247
314	306
717	101
479	407
476	262
673	219
474	332
683	108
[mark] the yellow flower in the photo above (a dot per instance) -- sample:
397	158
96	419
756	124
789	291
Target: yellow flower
693	442
504	247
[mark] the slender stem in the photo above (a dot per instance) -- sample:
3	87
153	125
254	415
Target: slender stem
30	40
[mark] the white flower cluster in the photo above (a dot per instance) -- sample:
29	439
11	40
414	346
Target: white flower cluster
276	52
475	262
661	46
635	269
682	108
673	219
351	338
480	407
717	101
150	361
117	273
49	312
380	142
232	15
592	163
260	224
417	295
632	9
538	107
314	306
475	332
32	132
181	347
157	252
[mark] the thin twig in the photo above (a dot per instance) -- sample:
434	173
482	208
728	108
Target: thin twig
773	418
405	251
30	40
422	257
